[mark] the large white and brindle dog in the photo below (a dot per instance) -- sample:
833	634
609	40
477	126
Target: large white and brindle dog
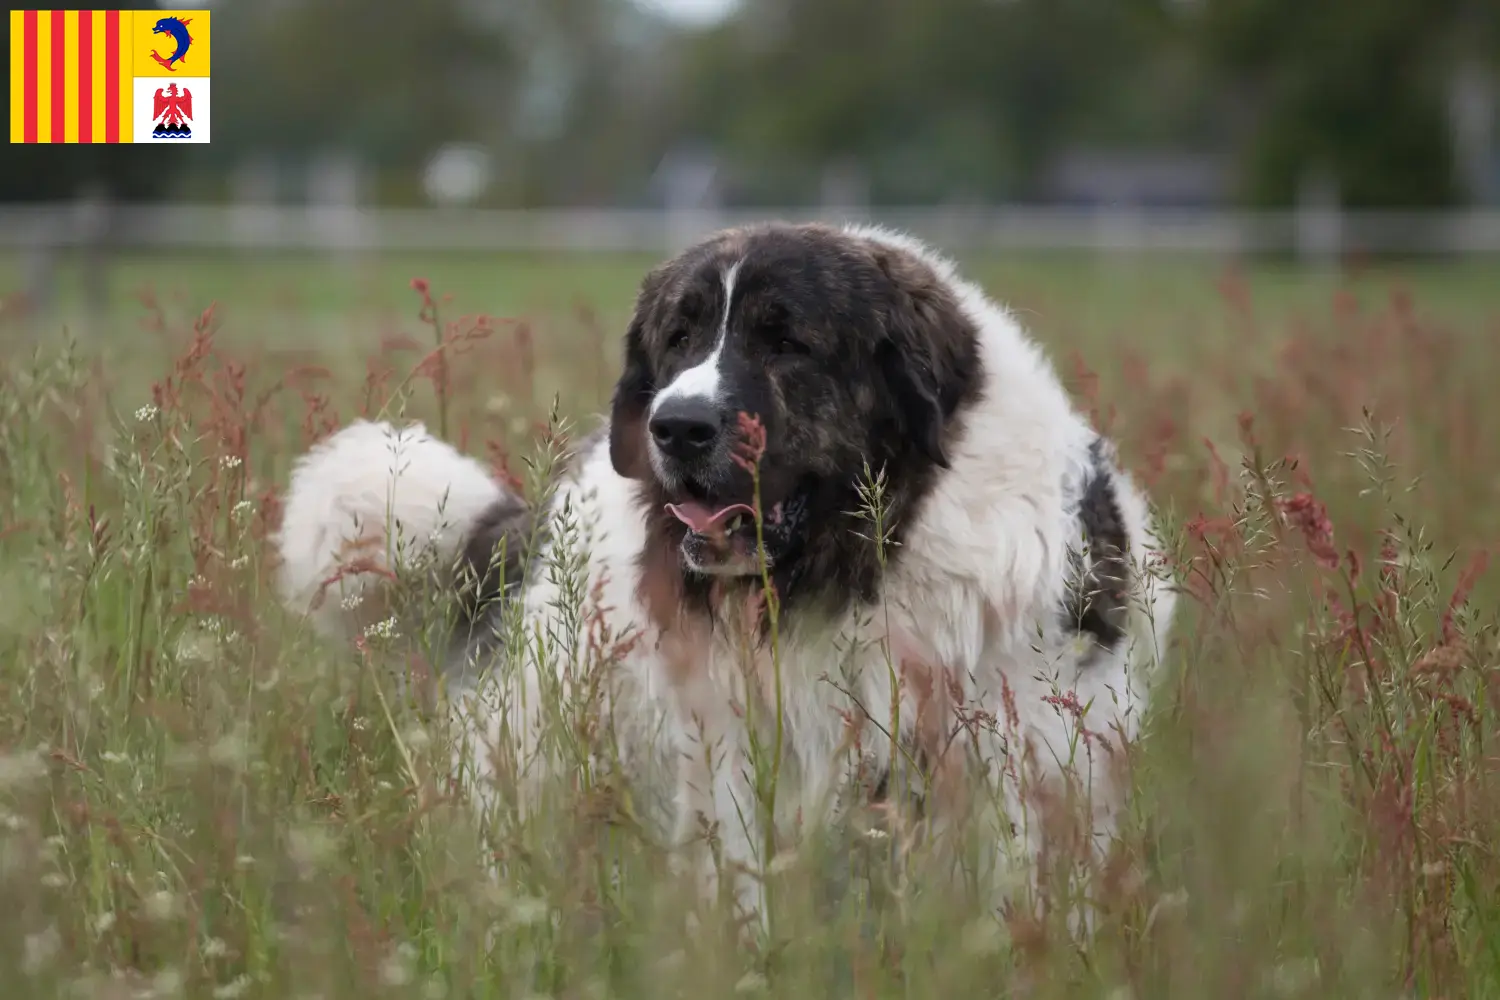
1014	610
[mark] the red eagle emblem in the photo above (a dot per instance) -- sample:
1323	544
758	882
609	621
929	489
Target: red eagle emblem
172	110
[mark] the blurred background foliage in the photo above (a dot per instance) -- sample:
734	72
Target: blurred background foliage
785	102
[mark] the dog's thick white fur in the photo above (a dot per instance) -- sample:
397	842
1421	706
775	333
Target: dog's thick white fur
975	595
365	500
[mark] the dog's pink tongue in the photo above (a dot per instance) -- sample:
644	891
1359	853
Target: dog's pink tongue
702	518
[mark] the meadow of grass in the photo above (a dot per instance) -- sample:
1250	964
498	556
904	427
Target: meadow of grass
199	799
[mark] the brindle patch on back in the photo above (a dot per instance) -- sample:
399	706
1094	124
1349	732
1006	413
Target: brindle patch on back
1097	600
498	555
495	559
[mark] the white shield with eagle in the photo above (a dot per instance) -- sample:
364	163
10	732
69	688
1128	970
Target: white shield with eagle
171	109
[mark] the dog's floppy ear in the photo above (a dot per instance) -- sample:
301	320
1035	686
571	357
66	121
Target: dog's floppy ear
929	351
627	444
635	387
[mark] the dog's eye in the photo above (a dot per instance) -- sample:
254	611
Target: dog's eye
789	345
677	339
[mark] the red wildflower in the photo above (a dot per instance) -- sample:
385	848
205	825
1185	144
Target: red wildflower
1310	516
1067	701
1466	581
752	444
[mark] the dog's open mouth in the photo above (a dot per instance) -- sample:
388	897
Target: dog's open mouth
722	538
709	521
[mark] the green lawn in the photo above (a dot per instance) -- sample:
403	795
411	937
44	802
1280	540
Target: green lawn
1096	298
1090	304
198	799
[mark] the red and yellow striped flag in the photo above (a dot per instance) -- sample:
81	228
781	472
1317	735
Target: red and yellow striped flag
74	73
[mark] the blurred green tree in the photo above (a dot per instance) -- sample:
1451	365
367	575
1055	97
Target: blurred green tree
383	79
946	100
58	172
941	98
1353	88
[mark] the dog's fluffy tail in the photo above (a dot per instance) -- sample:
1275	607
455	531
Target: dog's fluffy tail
373	500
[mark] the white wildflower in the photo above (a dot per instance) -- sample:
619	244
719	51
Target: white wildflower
194	645
310	847
750	982
242	510
400	967
239	563
229	462
352	601
20	769
230	751
147	412
55	880
39	950
113	757
166	983
51	848
782	862
382	630
215	948
527	911
104	922
160	906
875	833
11	823
235	988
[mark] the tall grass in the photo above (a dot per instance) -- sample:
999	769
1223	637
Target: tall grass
198	799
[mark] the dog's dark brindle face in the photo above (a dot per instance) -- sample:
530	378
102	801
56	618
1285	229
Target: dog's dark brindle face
846	351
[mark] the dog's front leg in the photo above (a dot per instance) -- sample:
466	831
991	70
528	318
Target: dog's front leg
502	723
718	815
1053	833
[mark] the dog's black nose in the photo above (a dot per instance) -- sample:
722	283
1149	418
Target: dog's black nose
685	428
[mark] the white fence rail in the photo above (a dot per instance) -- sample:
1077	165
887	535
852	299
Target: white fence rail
1312	233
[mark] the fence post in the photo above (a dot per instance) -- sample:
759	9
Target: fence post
1319	227
1472	107
333	212
252	216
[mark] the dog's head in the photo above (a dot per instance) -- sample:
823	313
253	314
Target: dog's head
845	351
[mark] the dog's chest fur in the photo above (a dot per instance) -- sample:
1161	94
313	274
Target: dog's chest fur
939	639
